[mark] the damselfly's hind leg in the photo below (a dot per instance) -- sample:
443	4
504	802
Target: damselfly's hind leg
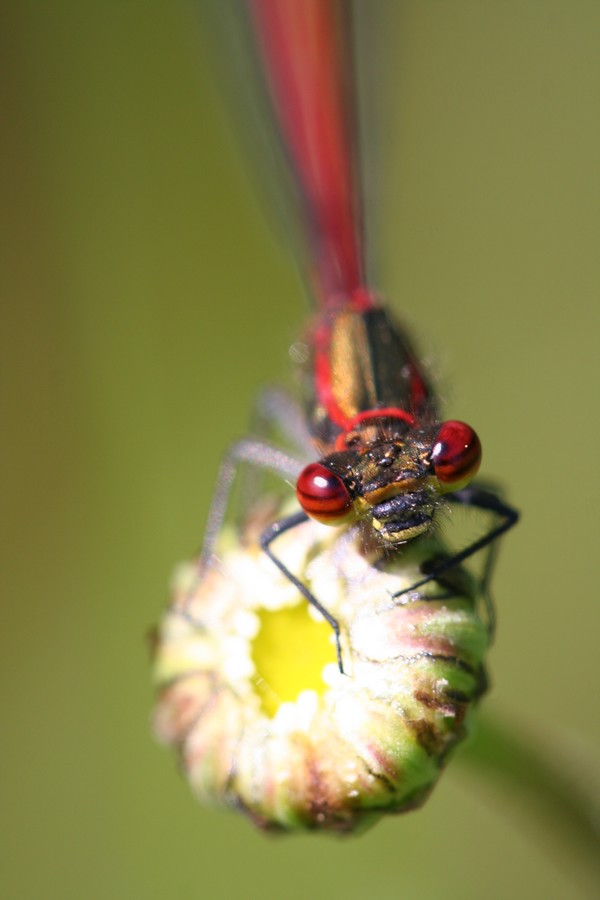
254	453
258	455
277	415
486	501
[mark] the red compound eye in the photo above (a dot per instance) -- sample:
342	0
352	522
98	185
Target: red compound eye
456	455
323	495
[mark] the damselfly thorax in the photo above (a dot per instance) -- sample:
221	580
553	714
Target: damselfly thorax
386	461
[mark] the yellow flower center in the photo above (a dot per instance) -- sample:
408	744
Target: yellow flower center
289	653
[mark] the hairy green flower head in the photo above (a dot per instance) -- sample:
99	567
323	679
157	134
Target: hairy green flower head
251	697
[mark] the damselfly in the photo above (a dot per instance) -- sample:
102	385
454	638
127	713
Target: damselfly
384	459
249	694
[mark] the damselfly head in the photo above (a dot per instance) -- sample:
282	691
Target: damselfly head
395	484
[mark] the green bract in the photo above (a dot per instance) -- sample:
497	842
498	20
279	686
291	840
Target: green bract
251	697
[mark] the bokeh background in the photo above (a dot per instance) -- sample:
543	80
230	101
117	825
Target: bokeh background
145	298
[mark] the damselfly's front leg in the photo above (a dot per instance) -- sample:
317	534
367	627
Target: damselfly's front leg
264	456
266	539
486	501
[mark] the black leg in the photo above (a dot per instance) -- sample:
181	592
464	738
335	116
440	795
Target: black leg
266	539
487	501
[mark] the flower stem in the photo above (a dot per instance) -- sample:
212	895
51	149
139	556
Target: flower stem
558	789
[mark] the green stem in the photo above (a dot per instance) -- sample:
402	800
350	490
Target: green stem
555	790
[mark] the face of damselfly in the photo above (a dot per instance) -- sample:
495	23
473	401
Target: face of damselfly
390	477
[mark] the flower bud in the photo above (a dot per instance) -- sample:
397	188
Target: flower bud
251	697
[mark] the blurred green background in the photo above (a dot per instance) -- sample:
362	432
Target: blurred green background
145	299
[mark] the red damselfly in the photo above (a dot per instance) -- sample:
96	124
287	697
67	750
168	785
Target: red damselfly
383	459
